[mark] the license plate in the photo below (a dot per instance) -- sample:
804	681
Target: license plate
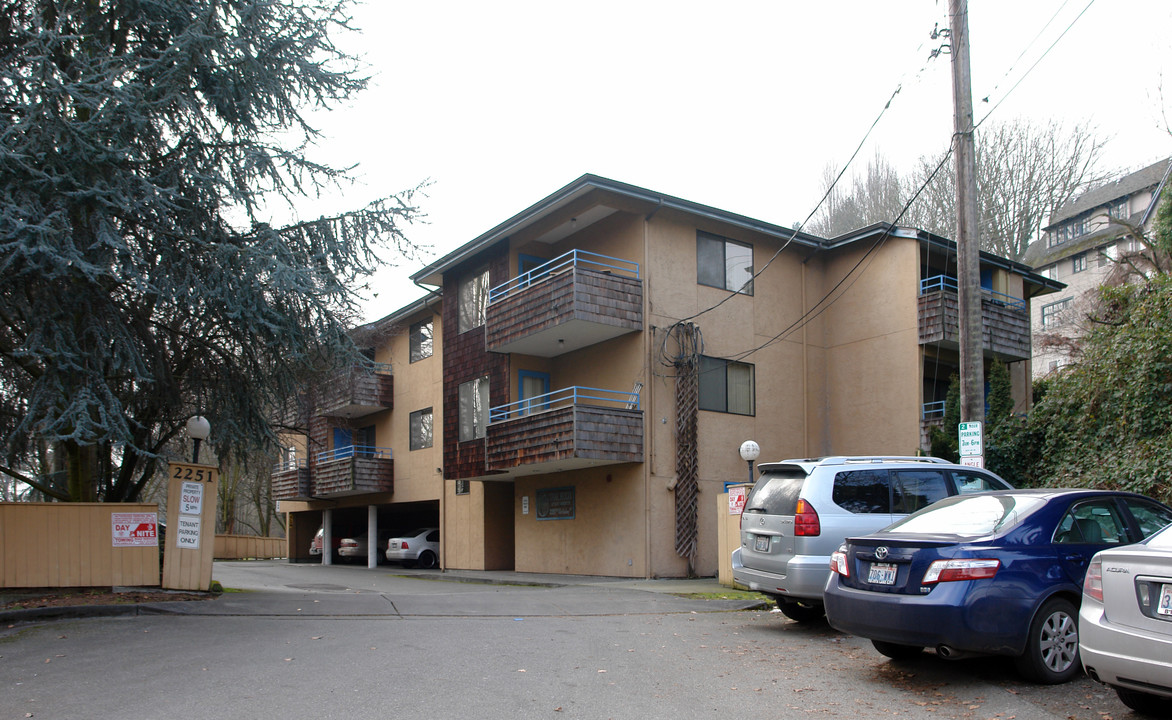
1165	605
881	574
761	543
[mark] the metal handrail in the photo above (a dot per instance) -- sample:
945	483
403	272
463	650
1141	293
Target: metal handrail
573	259
289	465
933	409
350	451
565	397
938	283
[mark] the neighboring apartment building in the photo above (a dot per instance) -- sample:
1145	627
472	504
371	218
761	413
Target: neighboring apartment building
606	351
1082	248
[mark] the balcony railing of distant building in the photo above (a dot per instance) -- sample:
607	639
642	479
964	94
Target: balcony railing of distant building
353	451
289	466
565	397
933	410
948	283
574	259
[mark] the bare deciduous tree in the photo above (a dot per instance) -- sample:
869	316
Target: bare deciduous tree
1024	173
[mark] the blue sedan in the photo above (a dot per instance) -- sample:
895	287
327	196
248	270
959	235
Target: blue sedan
997	573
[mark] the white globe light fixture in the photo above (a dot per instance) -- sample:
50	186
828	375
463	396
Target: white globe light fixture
750	451
198	428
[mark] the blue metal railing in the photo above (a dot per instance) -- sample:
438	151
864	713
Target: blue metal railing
565	397
947	282
348	451
573	259
933	410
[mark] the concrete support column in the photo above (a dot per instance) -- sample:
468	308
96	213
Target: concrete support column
372	548
327	537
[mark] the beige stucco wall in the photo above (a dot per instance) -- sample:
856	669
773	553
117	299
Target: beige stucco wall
870	335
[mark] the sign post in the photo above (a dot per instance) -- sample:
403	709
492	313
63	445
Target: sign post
191	526
972	444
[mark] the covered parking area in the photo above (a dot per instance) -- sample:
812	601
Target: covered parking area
370	523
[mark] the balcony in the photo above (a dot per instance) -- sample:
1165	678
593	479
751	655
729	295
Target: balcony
1005	320
356	393
290	481
571	302
353	470
575	427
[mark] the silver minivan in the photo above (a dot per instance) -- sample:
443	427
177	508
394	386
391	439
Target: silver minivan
800	511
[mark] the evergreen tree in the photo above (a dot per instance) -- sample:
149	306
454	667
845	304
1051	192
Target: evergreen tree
140	143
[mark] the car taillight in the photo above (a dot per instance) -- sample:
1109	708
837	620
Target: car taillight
953	570
403	545
806	523
838	562
1092	584
349	543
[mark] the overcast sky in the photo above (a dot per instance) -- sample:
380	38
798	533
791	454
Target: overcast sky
738	105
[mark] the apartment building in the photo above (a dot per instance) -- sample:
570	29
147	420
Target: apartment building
603	354
1083	247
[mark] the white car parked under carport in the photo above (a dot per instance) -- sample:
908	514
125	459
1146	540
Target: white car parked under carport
418	547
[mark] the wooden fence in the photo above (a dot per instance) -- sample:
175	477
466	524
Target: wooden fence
239	547
78	545
96	545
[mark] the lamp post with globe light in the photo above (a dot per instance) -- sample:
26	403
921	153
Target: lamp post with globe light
198	429
750	451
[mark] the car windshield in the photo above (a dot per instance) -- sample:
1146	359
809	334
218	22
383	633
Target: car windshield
972	515
1161	540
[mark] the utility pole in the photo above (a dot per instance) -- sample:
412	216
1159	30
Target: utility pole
968	250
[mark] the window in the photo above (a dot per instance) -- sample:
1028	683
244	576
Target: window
1050	271
473	409
1051	312
462	487
473	299
1150	516
421	340
532	385
1078	263
912	490
724	263
421	429
1094	522
971	481
862	491
726	386
1118	209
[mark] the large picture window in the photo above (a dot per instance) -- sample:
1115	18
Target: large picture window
1051	313
473	409
421	429
726	386
473	301
421	340
724	263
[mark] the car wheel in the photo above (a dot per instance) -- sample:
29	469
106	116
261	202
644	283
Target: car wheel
802	611
427	559
1051	654
895	651
1144	703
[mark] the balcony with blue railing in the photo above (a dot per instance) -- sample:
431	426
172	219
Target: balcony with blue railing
574	427
353	469
1005	319
573	301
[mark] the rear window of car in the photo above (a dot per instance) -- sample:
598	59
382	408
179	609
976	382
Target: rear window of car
776	493
972	515
862	491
